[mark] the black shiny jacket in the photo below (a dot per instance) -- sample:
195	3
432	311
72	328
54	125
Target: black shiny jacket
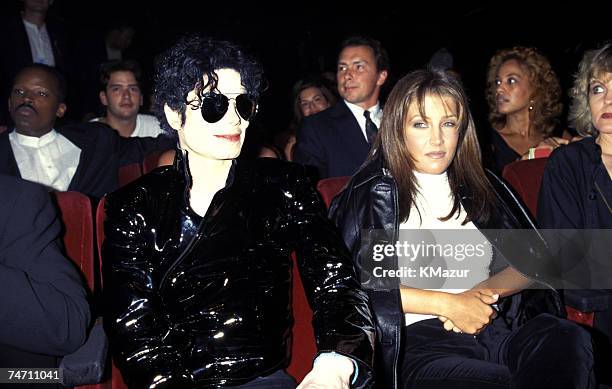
197	302
370	203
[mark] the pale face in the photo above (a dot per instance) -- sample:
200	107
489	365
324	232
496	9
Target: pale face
600	102
432	140
217	141
513	88
123	97
312	100
359	81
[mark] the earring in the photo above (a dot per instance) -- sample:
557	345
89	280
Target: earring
531	102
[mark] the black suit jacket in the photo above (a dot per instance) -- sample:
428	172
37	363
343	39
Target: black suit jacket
103	151
332	141
44	310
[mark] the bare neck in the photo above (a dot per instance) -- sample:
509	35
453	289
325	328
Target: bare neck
125	127
518	124
208	176
605	142
36	18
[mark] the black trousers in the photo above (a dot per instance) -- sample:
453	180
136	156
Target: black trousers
277	380
546	352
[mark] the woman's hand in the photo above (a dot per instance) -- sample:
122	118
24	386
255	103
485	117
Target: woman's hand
468	312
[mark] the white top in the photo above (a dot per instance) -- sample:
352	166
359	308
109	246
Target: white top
375	114
40	43
146	125
50	160
434	200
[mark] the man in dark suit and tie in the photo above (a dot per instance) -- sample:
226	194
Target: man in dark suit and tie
337	141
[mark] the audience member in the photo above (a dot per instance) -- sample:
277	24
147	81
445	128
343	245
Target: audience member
425	173
576	191
337	140
110	42
122	97
219	312
84	157
310	96
524	98
32	37
44	311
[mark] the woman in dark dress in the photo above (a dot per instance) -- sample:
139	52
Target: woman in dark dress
524	98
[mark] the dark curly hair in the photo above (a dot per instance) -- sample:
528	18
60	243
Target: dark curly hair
546	94
193	58
110	67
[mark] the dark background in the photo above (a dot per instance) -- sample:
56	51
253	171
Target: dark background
295	38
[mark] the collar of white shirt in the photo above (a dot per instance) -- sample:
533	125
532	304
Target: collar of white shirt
375	115
33	141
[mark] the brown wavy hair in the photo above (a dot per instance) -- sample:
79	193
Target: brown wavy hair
465	169
546	90
593	64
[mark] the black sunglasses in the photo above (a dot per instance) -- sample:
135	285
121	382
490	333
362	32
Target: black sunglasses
214	106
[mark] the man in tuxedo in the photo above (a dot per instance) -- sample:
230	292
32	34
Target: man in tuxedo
84	157
337	141
44	311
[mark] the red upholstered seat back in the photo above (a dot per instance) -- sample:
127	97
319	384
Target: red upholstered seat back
526	177
330	187
77	218
151	161
129	173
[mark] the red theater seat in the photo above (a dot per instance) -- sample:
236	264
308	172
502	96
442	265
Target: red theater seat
129	173
77	220
526	177
330	187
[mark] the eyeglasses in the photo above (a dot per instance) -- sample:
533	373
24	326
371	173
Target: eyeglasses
215	105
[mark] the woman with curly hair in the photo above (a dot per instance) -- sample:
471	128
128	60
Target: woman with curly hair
524	98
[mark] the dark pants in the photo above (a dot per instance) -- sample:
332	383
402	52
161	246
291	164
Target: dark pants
277	380
546	352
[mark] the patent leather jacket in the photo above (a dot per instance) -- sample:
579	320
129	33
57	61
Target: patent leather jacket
370	203
197	302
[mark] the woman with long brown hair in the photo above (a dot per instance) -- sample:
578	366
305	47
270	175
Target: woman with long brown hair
457	319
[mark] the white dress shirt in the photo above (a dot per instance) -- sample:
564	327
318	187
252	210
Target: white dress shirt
40	43
146	125
50	160
375	114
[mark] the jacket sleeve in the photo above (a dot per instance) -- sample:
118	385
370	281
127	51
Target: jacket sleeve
342	319
44	305
140	332
132	150
559	204
309	149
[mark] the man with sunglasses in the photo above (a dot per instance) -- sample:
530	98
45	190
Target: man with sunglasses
196	263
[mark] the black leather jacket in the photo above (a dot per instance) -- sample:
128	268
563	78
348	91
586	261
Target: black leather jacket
370	202
206	302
